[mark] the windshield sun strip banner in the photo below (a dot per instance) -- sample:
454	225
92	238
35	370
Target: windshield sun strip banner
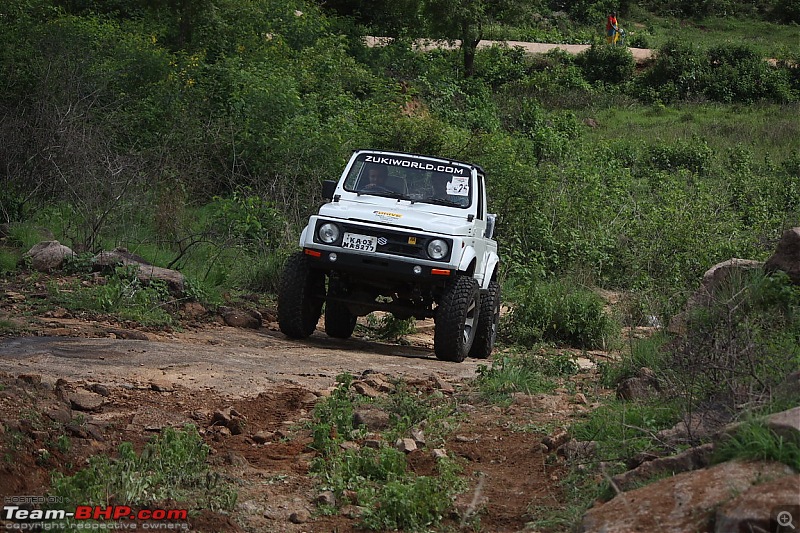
396	161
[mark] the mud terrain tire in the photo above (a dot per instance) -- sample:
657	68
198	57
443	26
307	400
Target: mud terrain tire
300	297
487	323
339	321
456	320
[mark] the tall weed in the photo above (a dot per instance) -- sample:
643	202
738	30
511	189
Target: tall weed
560	312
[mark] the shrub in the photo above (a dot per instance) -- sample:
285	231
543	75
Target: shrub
559	312
393	496
743	343
737	73
608	64
694	155
499	65
677	74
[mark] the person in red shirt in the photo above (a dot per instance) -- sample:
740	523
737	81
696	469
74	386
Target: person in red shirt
612	29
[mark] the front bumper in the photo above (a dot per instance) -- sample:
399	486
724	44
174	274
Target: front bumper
379	268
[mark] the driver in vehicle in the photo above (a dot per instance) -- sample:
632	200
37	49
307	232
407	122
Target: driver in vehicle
376	176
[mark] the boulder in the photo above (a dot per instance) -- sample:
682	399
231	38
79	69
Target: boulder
691	459
785	424
787	256
374	419
48	256
714	278
242	318
684	502
642	386
756	509
705	422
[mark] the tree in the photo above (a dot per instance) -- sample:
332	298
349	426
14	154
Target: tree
463	20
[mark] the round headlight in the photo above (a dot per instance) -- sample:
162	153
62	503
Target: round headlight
437	249
328	233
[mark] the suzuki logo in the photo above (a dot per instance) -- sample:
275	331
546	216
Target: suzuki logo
382	241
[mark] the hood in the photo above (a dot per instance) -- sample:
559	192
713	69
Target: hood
390	212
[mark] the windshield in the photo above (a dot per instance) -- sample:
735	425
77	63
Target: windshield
409	178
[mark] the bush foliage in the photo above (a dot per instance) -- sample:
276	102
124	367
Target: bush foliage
205	130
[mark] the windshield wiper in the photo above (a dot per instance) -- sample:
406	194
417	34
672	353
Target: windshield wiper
443	201
389	194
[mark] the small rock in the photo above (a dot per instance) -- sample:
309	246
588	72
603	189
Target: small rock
102	390
262	437
326	498
373	419
162	386
352	511
237	425
556	440
76	431
439	453
48	256
84	400
60	414
442	385
299	517
419	436
406	445
243	319
30	379
365	390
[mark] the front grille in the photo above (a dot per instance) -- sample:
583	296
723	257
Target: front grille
404	244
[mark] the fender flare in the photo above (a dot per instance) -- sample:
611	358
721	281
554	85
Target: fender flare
467	259
492	262
303	236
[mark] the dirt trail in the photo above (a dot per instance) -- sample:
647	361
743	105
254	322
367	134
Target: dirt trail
97	383
639	54
231	361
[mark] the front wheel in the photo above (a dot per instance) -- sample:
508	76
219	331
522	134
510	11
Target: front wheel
339	321
456	320
300	297
487	323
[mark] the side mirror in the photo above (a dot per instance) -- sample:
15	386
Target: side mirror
328	188
491	221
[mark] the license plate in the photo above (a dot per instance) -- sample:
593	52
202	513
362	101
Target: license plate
364	243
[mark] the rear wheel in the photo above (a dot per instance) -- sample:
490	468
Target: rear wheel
487	323
456	320
339	321
300	297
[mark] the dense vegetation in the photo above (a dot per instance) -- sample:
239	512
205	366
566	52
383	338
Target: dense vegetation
197	134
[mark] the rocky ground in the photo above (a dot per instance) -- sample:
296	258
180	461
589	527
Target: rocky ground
100	383
74	386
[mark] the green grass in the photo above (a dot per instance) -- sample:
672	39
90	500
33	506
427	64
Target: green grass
527	373
768	39
172	467
623	429
393	496
766	130
648	352
754	441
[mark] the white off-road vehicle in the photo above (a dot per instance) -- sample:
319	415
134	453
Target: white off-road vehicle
403	233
